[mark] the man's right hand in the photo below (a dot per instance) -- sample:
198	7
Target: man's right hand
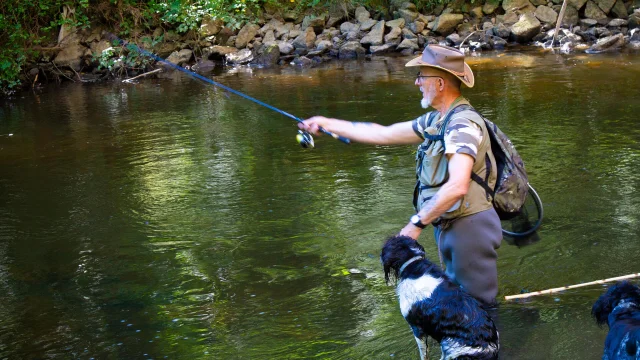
313	124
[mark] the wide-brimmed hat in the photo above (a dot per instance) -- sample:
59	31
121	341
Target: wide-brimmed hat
446	59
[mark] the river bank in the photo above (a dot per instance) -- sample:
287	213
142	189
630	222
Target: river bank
279	38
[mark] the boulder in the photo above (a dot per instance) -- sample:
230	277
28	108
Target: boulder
375	36
525	29
246	34
546	15
285	47
315	22
571	16
593	11
368	24
578	4
98	47
71	55
408	44
362	14
617	23
180	57
587	23
619	10
509	18
303	62
268	55
446	23
416	27
218	52
283	29
243	56
393	36
351	50
605	5
396	23
490	7
634	21
347	27
607	44
306	40
210	26
203	66
409	16
501	31
382	49
521	6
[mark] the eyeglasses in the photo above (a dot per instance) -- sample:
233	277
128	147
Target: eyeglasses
425	76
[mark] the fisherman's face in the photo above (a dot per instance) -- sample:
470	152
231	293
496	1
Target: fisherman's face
427	81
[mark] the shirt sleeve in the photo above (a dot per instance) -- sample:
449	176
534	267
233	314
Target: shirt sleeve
420	125
463	136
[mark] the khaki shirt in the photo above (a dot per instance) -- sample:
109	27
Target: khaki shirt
466	133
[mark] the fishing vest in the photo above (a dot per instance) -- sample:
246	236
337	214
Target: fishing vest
432	163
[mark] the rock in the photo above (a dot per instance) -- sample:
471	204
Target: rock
362	14
354	36
368	24
268	55
408	44
324	45
634	21
70	55
407	34
285	47
525	29
406	5
393	36
210	26
217	52
315	22
377	50
593	11
587	23
634	45
619	10
399	23
521	6
269	36
607	44
502	31
302	61
409	16
546	15
347	27
306	40
509	18
416	27
617	23
571	16
447	23
351	50
375	36
283	29
497	42
246	34
243	56
98	47
578	4
454	39
203	66
605	5
538	2
490	7
180	57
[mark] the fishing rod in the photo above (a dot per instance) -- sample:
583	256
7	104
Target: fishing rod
304	138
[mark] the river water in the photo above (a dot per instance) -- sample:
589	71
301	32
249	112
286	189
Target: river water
168	219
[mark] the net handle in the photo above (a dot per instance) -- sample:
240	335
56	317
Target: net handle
535	227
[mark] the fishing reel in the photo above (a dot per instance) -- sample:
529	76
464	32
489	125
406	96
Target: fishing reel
305	139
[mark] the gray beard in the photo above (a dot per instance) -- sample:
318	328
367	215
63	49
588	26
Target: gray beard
424	103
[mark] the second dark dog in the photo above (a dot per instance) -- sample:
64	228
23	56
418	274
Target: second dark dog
619	308
434	306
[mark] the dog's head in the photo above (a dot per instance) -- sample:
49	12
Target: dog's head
622	291
396	251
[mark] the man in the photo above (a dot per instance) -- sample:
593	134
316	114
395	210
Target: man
467	228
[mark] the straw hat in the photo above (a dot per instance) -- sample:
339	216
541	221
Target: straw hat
447	59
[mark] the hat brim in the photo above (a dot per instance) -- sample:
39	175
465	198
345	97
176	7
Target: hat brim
467	78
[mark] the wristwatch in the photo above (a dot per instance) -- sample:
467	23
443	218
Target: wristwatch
415	220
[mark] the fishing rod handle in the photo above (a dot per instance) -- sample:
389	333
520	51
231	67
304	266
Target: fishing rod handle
335	136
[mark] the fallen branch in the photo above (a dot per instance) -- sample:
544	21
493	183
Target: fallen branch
560	16
555	290
141	75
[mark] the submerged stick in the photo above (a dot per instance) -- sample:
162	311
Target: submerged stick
141	75
555	290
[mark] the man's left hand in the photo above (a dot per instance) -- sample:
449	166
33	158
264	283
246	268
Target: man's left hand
411	231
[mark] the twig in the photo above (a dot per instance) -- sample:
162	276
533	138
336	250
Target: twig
60	71
555	290
465	39
555	33
141	75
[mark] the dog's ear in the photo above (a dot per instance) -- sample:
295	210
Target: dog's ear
602	308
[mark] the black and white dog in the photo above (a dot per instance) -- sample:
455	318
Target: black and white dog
619	308
434	306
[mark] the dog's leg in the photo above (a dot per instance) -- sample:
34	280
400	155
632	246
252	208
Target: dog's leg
422	346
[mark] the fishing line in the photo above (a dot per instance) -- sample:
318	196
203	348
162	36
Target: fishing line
303	137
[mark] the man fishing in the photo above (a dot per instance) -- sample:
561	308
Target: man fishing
454	145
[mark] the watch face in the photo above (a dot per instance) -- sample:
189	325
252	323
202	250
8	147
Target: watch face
415	219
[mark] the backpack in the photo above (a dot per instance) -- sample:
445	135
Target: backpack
512	184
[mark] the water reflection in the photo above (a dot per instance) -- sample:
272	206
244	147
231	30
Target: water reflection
169	218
